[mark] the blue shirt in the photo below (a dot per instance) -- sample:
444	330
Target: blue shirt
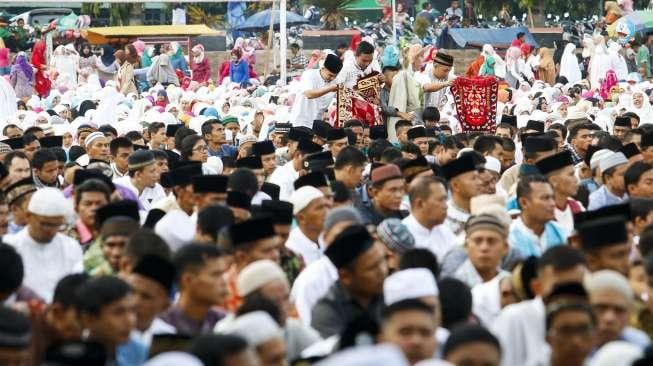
239	73
603	197
225	150
131	353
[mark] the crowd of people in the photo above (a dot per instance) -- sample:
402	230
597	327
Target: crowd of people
155	211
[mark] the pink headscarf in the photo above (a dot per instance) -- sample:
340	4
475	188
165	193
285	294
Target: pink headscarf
139	46
607	84
525	49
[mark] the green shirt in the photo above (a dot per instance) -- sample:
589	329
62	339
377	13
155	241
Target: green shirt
643	59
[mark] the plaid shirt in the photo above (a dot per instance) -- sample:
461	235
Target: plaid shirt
574	154
299	59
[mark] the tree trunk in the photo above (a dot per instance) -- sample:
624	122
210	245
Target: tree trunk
536	14
135	11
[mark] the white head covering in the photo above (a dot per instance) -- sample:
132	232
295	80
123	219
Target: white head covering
257	274
303	197
493	164
597	156
373	355
569	64
411	283
616	353
92	137
611	161
49	202
174	358
256	327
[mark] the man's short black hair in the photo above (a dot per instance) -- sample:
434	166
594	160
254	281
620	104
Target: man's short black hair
181	134
456	302
430	113
376	149
154	127
11	270
645	244
634	173
406	305
28	138
243	180
452	142
214	349
5	128
65	293
576	128
145	242
364	48
391	155
191	257
92	185
32	130
207	127
559	127
469	333
410	148
211	219
105	129
420	258
524	186
520	34
508	144
99	292
561	258
403	123
134	136
353	123
60	153
294	45
350	156
119	142
486	143
43	156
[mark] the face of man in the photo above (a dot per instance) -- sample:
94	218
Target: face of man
414	332
158	138
13	132
540	203
615	181
485	249
217	135
582	140
327	75
268	248
446	155
364	60
49	172
475	354
369	271
277	291
210	198
19	169
148	176
207	285
644	187
612	313
150	298
467	185
43	228
350	175
269	163
112	249
388	196
614	257
233	127
115	321
571	336
423	144
312	216
360	136
440	71
88	204
99	149
548	277
619	132
565	182
503	132
121	158
337	145
647	154
435	205
31	148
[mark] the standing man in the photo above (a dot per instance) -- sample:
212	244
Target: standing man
436	91
361	65
316	92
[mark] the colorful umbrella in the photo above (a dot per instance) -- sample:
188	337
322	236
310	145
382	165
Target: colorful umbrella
261	20
626	27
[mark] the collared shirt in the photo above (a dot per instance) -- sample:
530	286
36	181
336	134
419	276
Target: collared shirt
284	176
116	173
437	99
187	326
311	285
299	59
148	197
439	239
301	245
167	204
603	197
565	217
132	352
350	73
46	263
157	326
470	276
373	217
528	243
225	150
337	308
304	111
456	219
574	154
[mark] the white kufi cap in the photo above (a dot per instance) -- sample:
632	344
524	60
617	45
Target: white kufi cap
410	283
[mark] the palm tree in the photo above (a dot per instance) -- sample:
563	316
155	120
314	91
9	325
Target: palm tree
332	11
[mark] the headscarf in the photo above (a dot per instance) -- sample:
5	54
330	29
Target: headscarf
107	55
21	64
139	46
390	56
314	60
546	58
569	67
609	81
161	71
120	55
132	57
84	46
38	54
525	49
488	66
177	51
645	112
200	49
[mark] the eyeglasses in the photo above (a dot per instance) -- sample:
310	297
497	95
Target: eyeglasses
201	148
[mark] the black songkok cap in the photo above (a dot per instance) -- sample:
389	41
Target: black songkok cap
622	121
333	63
183	174
271	190
630	150
415	132
459	166
535	125
211	183
19	189
509	119
251	162
555	162
14	329
239	200
622	210
76	353
261	148
124	208
280	211
647	140
415	166
166	180
314	179
325	156
282	127
603	232
538	144
82	175
139	159
378	132
172	129
298	133
51	141
321	128
306	146
153	216
15	143
251	230
443	59
336	134
157	269
349	245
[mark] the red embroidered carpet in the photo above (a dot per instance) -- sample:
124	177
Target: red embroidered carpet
476	103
